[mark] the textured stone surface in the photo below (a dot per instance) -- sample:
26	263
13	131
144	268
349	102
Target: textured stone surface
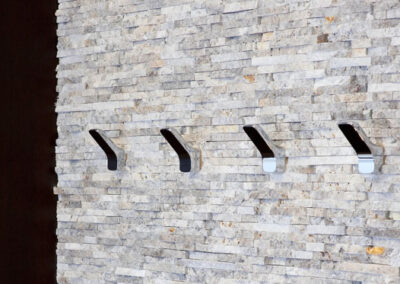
206	68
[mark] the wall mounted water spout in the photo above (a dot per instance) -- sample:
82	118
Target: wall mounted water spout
115	155
273	158
189	158
369	155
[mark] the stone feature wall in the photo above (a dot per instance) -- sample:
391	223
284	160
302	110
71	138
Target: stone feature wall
206	68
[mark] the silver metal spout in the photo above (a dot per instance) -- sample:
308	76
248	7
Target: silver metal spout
269	165
366	164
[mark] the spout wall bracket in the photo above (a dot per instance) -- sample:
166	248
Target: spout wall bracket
115	155
370	156
189	158
273	157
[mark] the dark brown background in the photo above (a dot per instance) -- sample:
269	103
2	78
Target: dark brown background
28	133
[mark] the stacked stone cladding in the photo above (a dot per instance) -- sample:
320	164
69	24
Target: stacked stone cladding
207	68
